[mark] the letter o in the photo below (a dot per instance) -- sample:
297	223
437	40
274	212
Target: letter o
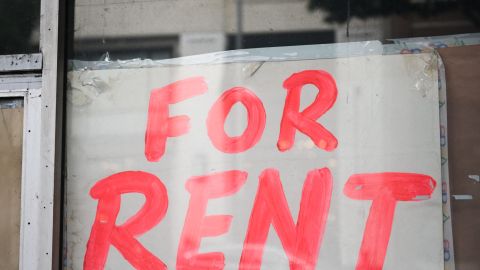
219	112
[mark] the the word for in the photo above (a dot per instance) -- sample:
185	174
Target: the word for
160	125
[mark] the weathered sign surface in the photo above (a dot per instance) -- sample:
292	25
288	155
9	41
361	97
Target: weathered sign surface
315	164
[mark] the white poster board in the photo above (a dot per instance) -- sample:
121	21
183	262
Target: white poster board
383	125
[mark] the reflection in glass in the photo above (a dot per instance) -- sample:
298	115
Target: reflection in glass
130	29
20	22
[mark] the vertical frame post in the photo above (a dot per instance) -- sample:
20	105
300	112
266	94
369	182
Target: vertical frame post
41	242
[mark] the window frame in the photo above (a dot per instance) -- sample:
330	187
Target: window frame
38	78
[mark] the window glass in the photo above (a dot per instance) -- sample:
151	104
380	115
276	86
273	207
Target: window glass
20	31
165	29
269	134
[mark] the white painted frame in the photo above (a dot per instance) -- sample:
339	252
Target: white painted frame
42	247
32	198
40	218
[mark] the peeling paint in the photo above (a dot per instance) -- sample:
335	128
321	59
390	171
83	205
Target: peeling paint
462	197
85	86
474	177
424	76
252	68
17	62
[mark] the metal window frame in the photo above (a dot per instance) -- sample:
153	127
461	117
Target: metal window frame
39	80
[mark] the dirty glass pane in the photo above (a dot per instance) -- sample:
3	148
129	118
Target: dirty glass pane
147	97
20	26
127	29
11	130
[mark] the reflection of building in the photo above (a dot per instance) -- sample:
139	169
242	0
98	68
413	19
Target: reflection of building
162	29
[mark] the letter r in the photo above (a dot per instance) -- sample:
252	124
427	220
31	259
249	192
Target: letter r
105	232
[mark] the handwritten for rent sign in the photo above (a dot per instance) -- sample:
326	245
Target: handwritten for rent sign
318	164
